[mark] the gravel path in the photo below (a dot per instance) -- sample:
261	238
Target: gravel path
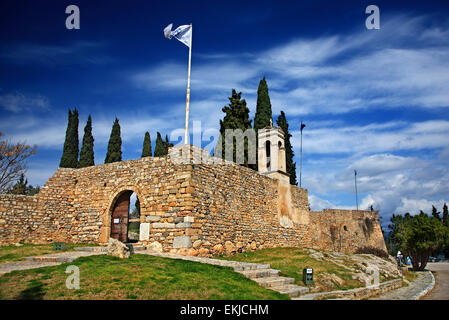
413	291
441	290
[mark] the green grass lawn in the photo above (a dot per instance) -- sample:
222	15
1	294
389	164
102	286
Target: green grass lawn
292	261
14	253
139	277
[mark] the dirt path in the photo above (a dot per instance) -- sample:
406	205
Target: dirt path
441	289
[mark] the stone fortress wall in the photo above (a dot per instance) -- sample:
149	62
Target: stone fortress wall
194	207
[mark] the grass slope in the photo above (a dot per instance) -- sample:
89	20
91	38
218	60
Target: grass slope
139	277
292	261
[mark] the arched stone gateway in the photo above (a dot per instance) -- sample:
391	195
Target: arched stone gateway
122	222
189	207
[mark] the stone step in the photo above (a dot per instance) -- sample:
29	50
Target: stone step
259	273
245	267
291	289
270	282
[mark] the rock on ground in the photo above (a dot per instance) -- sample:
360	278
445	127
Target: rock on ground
118	249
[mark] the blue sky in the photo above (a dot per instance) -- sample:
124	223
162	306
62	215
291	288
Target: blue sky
373	100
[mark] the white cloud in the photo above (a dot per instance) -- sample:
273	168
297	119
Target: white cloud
376	137
414	206
63	54
318	204
17	102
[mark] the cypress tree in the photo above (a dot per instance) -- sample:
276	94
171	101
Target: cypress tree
167	144
263	109
290	165
263	106
114	153
435	213
445	215
146	151
137	206
236	117
159	149
69	158
87	150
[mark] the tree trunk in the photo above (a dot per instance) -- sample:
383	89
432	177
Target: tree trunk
424	257
415	260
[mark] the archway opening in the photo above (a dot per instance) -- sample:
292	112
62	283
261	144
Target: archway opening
125	219
268	154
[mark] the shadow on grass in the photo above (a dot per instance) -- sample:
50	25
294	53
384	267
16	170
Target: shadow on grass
35	291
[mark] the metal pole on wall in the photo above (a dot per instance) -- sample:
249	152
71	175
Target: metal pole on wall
300	157
186	134
355	182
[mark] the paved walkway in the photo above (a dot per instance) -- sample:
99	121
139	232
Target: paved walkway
46	260
413	291
441	289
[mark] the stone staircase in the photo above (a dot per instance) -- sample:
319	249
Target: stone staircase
270	279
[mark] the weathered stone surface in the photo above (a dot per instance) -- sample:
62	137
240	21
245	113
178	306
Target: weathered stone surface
203	252
229	247
182	242
118	249
197	244
253	245
218	248
155	246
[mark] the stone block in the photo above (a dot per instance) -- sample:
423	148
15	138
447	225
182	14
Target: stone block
197	243
144	232
184	225
182	242
152	218
163	225
154	246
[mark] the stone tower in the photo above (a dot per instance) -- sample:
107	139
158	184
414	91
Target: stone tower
271	153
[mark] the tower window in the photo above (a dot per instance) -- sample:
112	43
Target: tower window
268	153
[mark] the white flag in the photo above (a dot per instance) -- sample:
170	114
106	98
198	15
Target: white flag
182	33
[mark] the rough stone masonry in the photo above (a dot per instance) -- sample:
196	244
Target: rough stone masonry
188	207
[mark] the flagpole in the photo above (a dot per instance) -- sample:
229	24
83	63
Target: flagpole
300	160
356	197
300	156
186	134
